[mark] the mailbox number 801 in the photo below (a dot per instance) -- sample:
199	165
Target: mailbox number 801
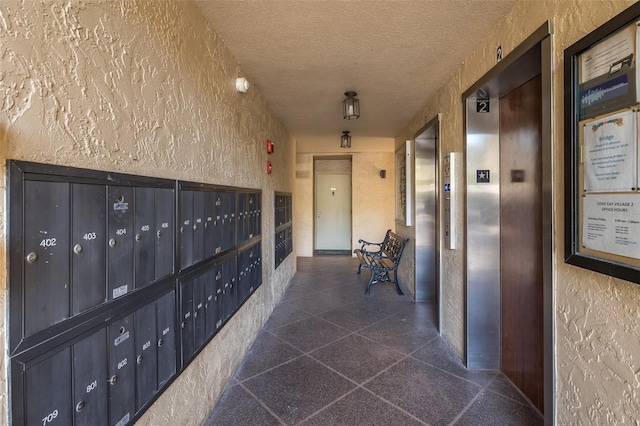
50	417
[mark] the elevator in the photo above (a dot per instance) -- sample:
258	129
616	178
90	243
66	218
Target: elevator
426	214
508	221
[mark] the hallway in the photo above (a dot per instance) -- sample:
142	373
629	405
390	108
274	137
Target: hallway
329	355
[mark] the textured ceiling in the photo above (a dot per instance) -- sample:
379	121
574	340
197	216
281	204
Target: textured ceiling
304	54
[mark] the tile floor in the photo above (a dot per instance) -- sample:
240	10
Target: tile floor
329	355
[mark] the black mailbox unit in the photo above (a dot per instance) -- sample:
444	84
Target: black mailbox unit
217	223
116	282
283	213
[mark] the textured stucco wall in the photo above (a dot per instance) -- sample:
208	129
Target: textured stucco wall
143	87
597	318
371	199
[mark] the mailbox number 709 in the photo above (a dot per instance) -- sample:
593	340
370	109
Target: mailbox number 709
50	417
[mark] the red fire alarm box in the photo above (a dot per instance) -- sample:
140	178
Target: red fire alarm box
270	147
268	167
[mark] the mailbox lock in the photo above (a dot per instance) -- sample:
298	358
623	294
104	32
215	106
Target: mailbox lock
77	249
121	330
159	233
160	343
113	379
182	229
195	226
139	359
32	257
138	237
112	242
80	406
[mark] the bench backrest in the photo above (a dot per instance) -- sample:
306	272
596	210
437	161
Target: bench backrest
393	245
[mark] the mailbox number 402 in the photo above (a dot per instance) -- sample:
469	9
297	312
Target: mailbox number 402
48	242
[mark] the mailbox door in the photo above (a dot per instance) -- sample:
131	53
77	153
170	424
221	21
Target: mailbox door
146	354
121	378
164	221
210	238
144	245
219	296
232	208
166	337
211	305
186	302
218	222
199	316
252	212
43	406
225	221
242	279
120	241
89	246
198	226
186	229
46	254
229	272
259	214
240	223
90	380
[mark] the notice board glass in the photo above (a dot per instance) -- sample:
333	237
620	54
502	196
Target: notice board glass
602	160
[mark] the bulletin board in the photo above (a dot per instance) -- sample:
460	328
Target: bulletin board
602	160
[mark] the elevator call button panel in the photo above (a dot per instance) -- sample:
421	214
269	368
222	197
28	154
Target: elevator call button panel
450	173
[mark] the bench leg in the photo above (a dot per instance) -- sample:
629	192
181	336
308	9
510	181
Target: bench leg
371	281
359	268
395	281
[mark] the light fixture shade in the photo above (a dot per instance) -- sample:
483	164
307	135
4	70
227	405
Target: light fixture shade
345	140
351	106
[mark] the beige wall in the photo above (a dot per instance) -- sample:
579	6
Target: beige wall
372	197
597	318
143	87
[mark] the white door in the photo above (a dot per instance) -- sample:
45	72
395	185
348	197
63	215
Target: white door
333	211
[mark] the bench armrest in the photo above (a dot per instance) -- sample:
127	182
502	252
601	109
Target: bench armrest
367	243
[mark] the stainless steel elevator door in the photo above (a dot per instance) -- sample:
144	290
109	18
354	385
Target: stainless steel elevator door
426	219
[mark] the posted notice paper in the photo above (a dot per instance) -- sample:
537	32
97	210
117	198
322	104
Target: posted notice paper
611	224
610	153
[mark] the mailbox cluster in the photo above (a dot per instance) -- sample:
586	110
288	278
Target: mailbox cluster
105	377
115	283
211	294
283	209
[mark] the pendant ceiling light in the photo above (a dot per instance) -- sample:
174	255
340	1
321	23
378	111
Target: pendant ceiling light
345	140
351	106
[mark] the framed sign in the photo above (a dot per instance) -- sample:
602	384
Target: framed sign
602	162
404	185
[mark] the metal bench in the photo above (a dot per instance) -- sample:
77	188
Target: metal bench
382	261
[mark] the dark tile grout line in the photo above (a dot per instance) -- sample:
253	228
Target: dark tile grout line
473	400
259	401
